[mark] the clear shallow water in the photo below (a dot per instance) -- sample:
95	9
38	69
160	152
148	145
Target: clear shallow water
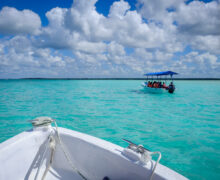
184	126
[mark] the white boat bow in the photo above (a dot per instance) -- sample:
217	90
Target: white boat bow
45	153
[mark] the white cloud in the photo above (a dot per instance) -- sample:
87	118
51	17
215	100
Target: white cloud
115	49
195	64
81	42
122	26
55	35
199	18
56	17
119	9
85	20
13	21
207	43
196	23
20	57
141	53
91	47
158	10
163	56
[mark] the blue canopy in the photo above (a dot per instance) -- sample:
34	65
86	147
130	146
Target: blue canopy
171	73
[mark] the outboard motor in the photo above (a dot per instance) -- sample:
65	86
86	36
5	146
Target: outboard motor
171	88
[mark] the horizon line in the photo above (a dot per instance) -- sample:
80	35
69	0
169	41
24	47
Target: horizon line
39	78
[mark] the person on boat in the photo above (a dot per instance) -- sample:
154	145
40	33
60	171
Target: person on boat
171	88
164	86
159	85
171	84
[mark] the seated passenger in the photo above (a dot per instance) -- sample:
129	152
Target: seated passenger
164	85
159	85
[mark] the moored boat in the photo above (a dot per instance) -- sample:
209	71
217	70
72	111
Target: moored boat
155	85
153	90
47	152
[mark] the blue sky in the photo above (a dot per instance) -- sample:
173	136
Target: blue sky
41	6
107	38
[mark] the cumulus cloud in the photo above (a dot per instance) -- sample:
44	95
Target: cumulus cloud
81	41
196	64
197	23
199	18
91	47
122	25
83	18
119	9
207	43
158	10
13	21
19	56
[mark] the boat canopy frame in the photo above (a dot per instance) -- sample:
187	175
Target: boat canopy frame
164	73
159	74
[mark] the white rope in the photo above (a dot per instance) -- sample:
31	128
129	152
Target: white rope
41	162
145	154
52	147
66	154
52	144
158	159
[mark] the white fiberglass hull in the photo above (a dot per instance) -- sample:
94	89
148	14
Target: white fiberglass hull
153	90
24	157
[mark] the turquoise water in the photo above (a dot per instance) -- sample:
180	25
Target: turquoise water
184	126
